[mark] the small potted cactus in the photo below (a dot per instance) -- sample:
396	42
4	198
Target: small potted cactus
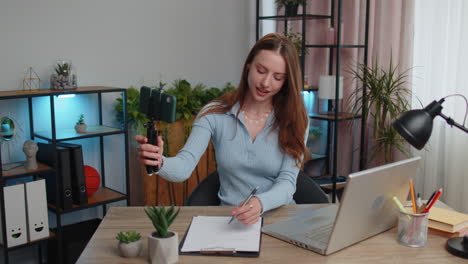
80	126
162	244
63	78
129	243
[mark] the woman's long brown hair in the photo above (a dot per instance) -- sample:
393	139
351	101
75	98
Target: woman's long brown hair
290	114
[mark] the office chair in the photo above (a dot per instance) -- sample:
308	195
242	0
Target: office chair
206	193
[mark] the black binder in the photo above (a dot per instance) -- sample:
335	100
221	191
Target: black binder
78	182
58	158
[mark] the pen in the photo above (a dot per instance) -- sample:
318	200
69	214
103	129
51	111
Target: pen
430	198
246	201
413	197
434	200
418	201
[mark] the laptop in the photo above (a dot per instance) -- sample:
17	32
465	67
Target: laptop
366	210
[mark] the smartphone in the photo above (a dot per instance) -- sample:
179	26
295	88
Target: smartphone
167	107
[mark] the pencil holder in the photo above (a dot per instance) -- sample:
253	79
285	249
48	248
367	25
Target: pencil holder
412	229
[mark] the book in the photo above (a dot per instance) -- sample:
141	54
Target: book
447	219
460	233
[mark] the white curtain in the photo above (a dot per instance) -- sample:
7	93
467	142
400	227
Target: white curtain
441	68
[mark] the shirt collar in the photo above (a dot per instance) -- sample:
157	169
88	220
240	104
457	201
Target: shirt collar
234	109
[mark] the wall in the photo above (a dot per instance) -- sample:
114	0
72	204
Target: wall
119	43
123	43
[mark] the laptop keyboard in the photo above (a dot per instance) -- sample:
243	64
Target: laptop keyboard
320	234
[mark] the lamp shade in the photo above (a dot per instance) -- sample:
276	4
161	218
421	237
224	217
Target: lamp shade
416	125
327	87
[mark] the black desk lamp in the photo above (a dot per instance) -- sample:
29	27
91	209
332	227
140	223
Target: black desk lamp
416	127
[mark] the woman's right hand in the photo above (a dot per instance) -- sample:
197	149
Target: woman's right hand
150	155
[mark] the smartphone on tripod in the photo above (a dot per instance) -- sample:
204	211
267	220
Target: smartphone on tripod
157	106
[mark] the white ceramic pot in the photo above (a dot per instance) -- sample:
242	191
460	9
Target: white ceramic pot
130	250
81	129
163	250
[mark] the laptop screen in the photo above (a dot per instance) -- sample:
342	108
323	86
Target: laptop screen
366	207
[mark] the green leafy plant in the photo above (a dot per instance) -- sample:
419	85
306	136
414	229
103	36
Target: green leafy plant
314	132
386	97
128	237
80	120
190	100
161	218
296	39
135	118
63	69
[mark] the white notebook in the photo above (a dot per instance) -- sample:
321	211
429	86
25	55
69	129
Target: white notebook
214	233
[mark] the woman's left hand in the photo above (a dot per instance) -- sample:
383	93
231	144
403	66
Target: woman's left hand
249	213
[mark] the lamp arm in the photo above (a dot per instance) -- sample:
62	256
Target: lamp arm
452	122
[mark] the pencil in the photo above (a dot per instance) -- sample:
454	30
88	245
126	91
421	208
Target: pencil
413	197
421	209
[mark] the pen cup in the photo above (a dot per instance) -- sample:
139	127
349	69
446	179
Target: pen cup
412	229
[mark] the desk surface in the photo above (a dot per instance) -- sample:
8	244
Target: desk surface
383	248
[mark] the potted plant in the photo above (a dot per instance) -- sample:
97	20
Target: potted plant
80	126
296	39
290	6
386	97
314	133
129	243
63	77
162	244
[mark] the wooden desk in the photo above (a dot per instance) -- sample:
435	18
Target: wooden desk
382	248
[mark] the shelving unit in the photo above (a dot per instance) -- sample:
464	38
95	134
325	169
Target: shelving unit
104	195
334	62
16	173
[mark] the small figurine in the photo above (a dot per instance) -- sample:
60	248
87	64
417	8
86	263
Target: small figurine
30	149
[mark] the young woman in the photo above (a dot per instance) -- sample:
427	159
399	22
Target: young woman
258	133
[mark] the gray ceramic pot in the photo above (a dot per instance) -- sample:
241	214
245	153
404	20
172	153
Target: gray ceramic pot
163	250
130	250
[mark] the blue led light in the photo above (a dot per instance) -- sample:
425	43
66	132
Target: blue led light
309	98
66	96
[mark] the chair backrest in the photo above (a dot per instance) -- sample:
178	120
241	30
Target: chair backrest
308	192
206	192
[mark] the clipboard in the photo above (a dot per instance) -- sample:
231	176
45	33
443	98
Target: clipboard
221	251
